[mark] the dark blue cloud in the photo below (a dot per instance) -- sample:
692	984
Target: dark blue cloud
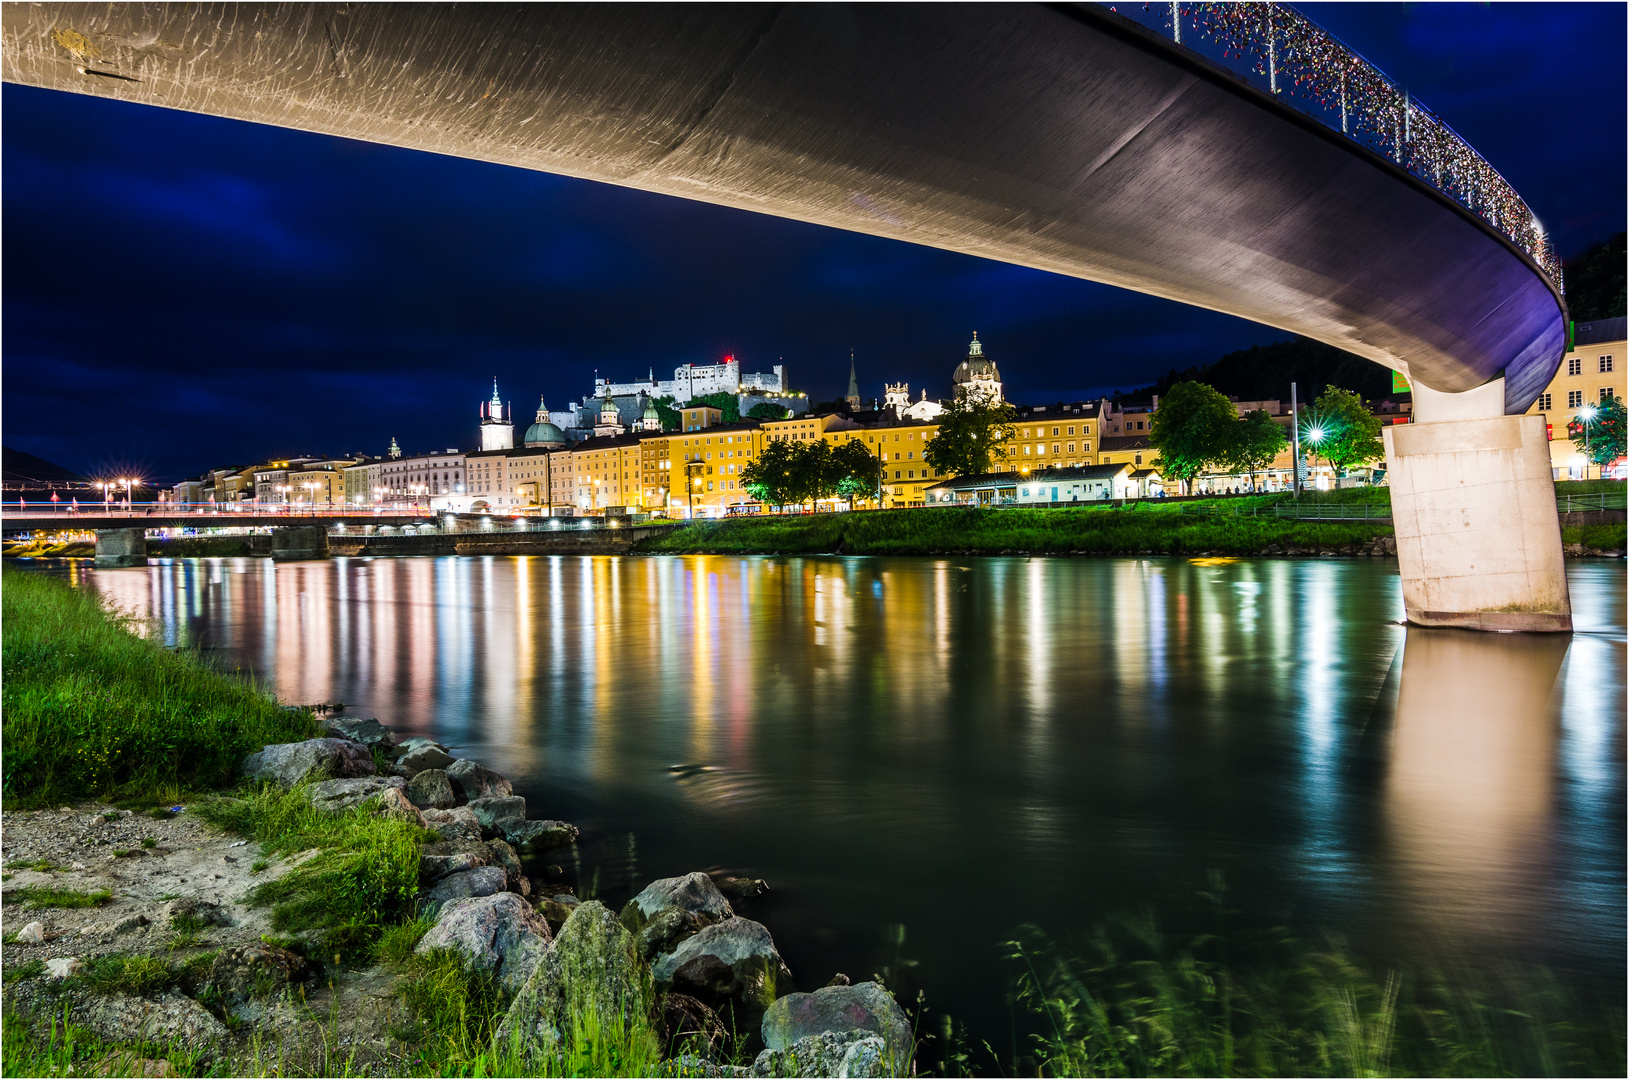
184	291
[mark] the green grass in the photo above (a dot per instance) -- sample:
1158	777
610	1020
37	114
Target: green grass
396	943
1603	537
988	532
34	899
92	709
31	970
1133	1000
122	974
56	1047
1588	487
362	880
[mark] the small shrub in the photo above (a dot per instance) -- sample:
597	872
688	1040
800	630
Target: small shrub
396	943
258	865
188	930
118	974
34	899
31	970
149	842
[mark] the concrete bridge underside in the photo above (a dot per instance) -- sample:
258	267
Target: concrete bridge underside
1058	137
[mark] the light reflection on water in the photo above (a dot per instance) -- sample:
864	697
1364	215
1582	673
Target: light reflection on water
963	746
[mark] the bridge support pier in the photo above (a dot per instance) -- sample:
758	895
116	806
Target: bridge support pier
293	542
120	547
1473	504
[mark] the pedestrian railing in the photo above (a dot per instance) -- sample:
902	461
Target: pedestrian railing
1594	500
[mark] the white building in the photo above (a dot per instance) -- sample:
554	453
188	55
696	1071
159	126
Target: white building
696	380
497	427
977	376
436	479
897	396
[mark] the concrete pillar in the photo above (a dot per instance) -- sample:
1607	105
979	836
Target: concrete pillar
121	547
291	542
1473	504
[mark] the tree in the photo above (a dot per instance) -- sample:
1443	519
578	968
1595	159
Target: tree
858	471
1192	428
813	475
765	410
671	418
1349	434
1595	282
728	404
1257	440
1263	372
972	437
1601	439
768	477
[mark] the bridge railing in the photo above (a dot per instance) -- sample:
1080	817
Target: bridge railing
1595	500
1290	56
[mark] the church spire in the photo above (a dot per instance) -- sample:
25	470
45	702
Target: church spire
853	396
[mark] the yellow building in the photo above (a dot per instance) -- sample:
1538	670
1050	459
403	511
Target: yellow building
1592	371
1064	435
704	465
318	483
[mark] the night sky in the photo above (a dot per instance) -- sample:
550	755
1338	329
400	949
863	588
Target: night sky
184	292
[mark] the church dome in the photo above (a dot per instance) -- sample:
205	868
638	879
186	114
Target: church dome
544	433
976	366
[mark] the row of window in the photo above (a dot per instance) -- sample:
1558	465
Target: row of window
1575	399
1040	433
1575	365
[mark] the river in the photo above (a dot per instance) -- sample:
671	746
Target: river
922	754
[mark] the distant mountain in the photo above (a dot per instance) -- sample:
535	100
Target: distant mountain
18	469
1262	372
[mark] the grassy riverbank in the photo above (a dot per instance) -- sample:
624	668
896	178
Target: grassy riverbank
970	531
1131	999
92	709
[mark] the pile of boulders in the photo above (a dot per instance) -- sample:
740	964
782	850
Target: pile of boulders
677	956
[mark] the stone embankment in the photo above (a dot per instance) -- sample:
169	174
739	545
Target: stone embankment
677	960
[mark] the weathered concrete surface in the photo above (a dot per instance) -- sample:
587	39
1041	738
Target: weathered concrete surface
1478	540
1059	137
121	547
597	541
299	542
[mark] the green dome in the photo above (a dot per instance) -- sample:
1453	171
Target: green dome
544	433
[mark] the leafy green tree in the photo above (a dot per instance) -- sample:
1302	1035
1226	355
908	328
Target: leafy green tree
1601	440
1595	281
972	437
669	415
728	404
1257	440
769	477
1192	428
766	410
858	471
1350	432
814	476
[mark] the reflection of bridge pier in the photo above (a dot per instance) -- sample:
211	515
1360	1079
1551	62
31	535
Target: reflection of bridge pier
121	547
1469	799
1478	539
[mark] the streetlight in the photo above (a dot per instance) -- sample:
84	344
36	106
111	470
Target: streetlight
1316	434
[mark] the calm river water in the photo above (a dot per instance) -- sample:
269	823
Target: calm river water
957	747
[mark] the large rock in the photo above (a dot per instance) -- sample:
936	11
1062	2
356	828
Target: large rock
689	892
393	803
459	823
498	812
416	754
505	856
865	1007
336	795
500	932
828	1054
478	782
433	868
431	790
257	970
591	971
735	958
482	881
168	1017
367	731
540	835
290	763
666	931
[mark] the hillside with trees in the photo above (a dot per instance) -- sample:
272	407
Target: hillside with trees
1595	282
1263	372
